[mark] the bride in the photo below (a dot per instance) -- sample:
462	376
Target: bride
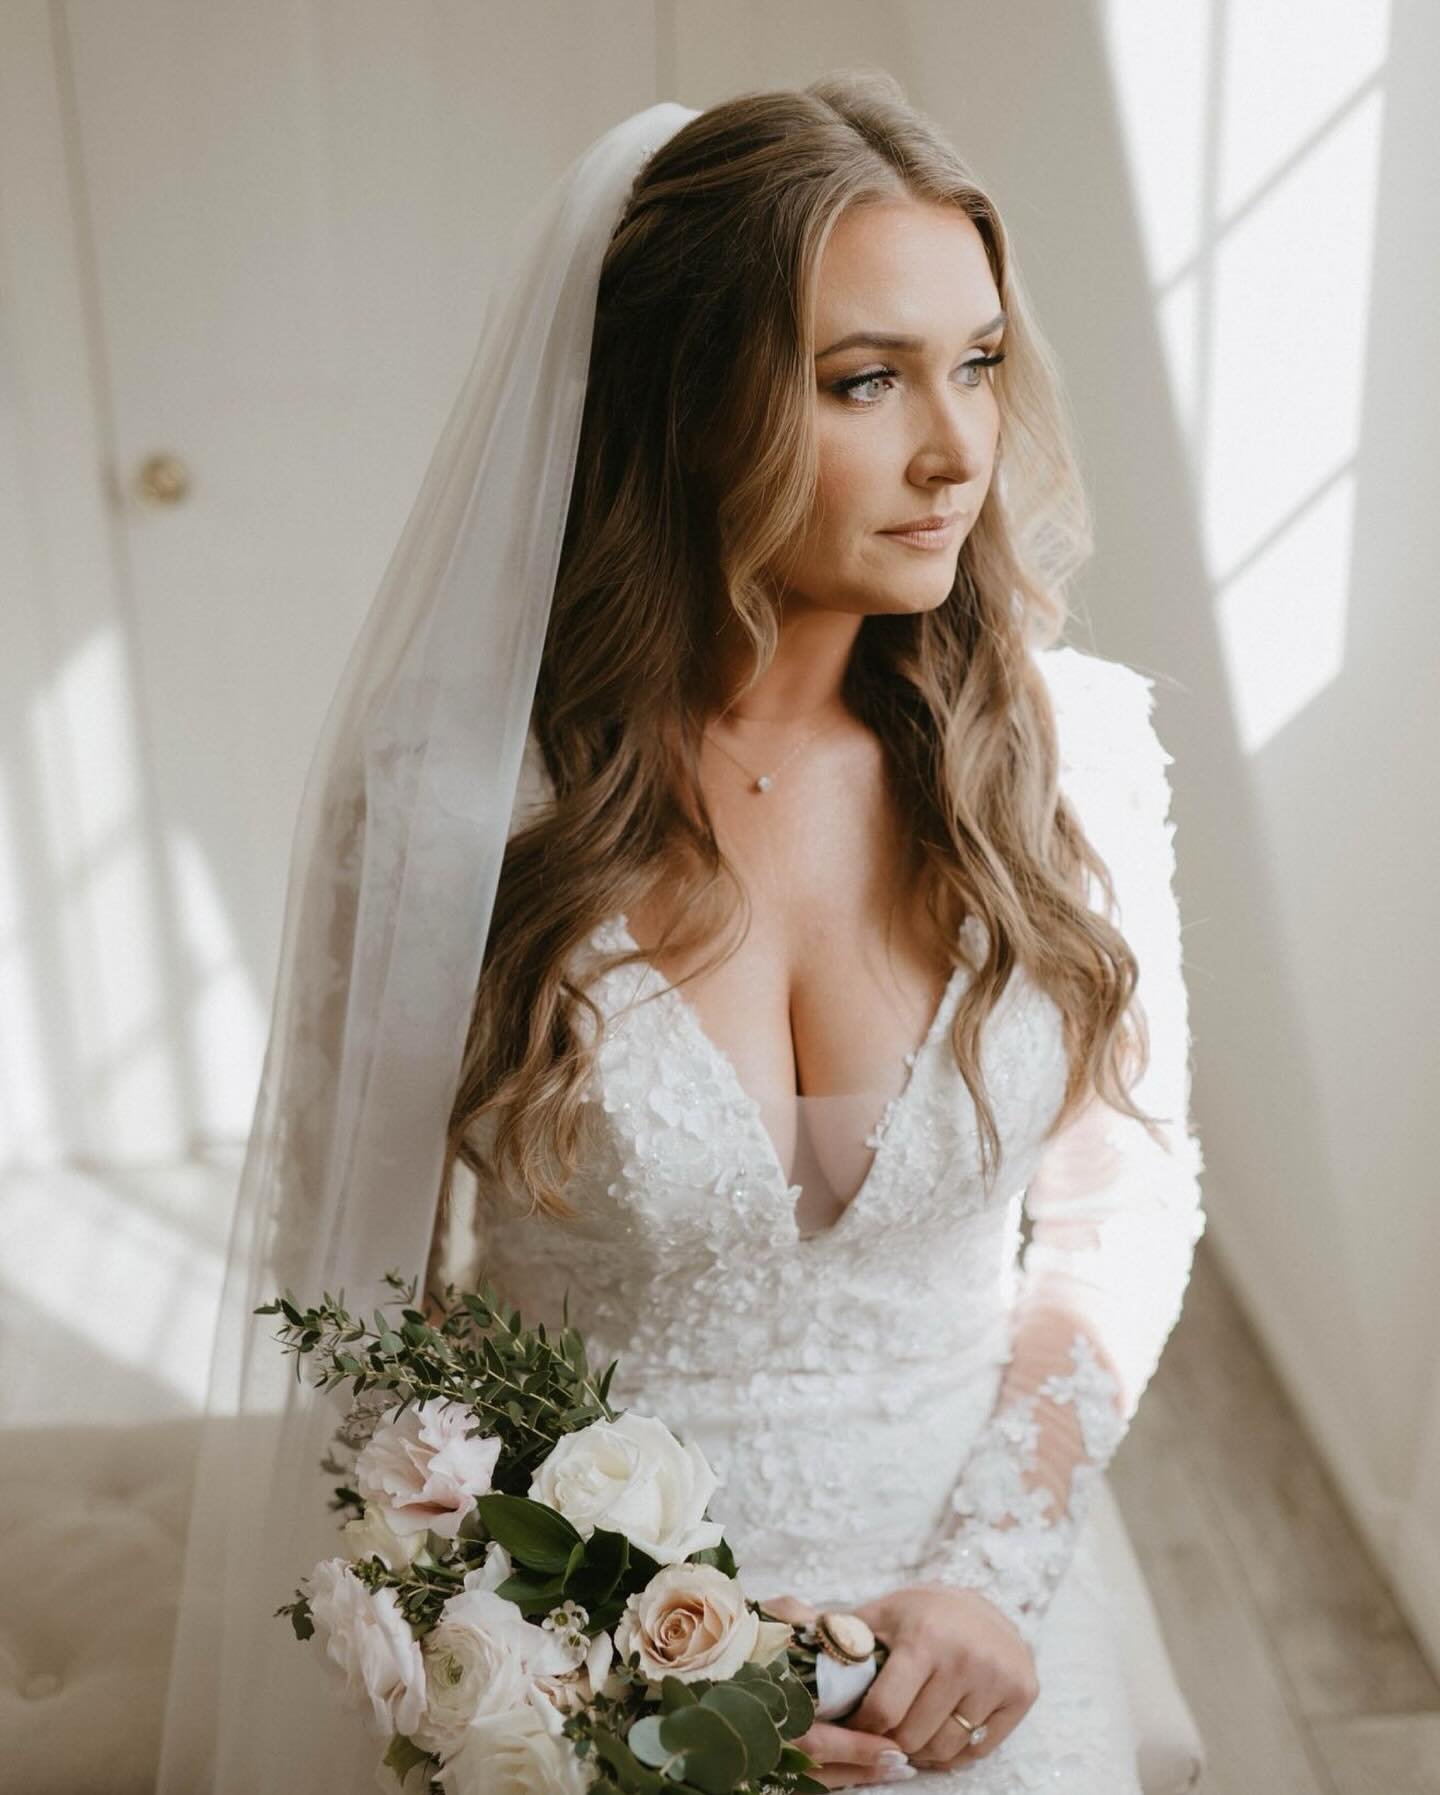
825	948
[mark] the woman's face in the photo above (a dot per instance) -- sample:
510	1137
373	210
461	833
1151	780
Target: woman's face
907	421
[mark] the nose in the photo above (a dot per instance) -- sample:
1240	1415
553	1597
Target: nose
956	440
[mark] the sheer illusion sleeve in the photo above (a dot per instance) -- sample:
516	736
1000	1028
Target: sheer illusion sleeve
1114	1216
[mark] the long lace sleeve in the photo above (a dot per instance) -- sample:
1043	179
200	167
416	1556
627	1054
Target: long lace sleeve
1114	1216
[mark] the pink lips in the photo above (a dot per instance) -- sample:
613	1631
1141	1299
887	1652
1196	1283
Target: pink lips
927	532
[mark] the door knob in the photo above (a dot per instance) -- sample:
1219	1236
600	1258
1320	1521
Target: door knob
163	480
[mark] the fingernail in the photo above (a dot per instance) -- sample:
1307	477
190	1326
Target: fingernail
901	1773
896	1765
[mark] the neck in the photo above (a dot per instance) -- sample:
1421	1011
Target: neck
805	678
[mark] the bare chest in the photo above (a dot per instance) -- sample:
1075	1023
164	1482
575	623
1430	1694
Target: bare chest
839	975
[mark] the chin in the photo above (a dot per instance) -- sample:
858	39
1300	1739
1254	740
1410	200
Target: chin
873	599
914	600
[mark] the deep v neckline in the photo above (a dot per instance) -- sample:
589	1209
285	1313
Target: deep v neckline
886	1122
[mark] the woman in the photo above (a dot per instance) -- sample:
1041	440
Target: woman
798	983
773	914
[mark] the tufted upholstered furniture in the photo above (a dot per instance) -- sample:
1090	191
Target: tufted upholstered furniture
91	1524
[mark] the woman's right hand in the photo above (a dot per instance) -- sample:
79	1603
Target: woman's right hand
844	1756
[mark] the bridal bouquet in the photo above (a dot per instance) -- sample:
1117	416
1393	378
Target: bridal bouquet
530	1596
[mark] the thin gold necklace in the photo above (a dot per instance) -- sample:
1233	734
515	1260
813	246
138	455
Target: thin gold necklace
761	782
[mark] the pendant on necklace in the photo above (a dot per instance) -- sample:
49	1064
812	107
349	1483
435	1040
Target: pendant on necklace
763	783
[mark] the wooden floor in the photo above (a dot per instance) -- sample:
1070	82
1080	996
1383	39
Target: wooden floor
1302	1674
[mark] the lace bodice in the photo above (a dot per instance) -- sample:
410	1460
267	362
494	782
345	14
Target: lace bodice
912	1392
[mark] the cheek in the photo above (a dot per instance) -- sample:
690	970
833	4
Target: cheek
849	474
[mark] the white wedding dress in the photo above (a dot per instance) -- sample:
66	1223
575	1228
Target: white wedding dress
889	1398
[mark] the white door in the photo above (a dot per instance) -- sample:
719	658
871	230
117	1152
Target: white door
284	217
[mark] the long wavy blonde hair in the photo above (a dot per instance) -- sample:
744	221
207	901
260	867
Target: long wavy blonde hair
696	472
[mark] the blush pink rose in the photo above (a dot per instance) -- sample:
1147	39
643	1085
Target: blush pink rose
421	1470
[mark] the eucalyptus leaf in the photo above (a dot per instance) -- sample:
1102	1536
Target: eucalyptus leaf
758	1732
714	1752
645	1741
625	1763
675	1693
765	1690
802	1708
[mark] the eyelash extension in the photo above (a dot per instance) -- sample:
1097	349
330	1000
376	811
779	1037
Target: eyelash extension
854	380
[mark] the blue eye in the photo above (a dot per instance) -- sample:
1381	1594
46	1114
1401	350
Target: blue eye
848	387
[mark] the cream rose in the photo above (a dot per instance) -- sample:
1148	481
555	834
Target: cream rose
519	1753
370	1639
632	1476
421	1470
690	1621
482	1658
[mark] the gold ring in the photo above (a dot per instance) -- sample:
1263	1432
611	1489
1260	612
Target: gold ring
978	1734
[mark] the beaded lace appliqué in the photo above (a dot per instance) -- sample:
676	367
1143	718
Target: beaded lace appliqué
1011	1545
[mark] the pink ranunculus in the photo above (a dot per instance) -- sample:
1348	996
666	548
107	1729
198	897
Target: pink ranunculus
423	1472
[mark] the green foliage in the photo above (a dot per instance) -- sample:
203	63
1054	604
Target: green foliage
300	1617
533	1534
523	1386
405	1755
715	1737
529	1387
719	1555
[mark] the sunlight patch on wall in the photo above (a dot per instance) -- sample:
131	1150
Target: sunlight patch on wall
106	907
123	1272
1254	136
1291	302
226	1026
1159	61
1288	73
1282	619
28	1122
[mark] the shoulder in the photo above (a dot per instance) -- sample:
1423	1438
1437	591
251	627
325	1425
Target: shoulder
1103	709
1113	765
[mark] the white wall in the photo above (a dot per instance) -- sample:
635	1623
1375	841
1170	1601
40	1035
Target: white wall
1228	222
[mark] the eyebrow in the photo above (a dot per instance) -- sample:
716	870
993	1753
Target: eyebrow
876	339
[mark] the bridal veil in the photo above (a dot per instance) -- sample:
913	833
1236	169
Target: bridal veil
394	867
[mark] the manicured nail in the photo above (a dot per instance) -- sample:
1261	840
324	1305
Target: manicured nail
896	1766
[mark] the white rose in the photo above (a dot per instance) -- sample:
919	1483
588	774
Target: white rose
423	1472
372	1536
634	1477
493	1572
370	1639
518	1753
482	1658
690	1621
